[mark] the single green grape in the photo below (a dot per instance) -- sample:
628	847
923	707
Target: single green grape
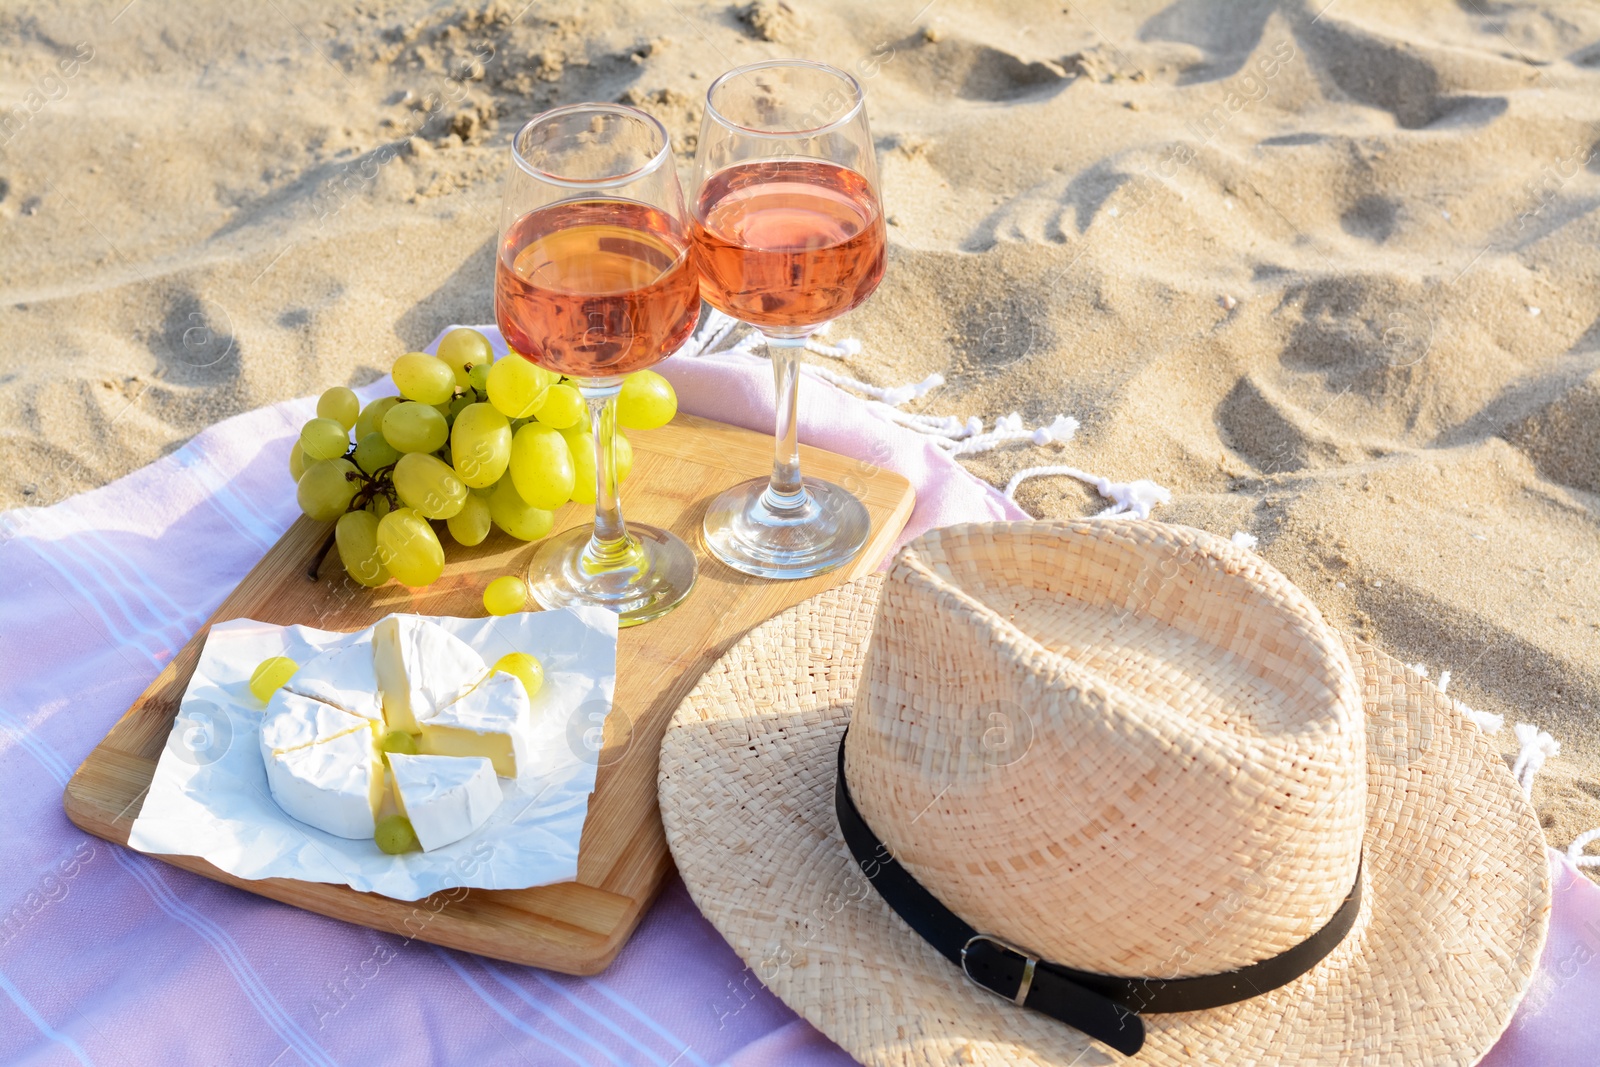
526	667
647	401
581	448
504	595
341	405
563	406
428	485
480	445
371	418
409	548
297	460
478	378
394	835
398	741
516	387
541	466
374	452
581	442
423	378
457	405
515	515
415	427
324	439
572	434
269	674
462	349
624	457
326	488
356	537
471	524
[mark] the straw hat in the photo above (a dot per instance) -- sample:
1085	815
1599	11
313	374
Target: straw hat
1135	751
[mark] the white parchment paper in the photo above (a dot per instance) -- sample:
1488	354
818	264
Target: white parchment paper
209	797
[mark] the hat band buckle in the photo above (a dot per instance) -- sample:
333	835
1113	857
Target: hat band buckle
1029	964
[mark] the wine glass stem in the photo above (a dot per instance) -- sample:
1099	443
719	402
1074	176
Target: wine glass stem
609	546
785	492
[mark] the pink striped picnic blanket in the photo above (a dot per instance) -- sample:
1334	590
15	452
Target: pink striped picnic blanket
108	956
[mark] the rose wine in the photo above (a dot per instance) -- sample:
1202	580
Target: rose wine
788	244
593	288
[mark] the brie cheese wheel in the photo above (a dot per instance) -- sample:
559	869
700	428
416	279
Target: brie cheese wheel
420	668
293	721
336	785
344	677
493	719
445	797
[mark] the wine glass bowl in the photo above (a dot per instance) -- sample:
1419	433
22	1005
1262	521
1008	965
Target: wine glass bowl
788	235
594	288
788	245
594	279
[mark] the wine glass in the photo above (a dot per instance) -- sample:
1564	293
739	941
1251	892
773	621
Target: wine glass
595	279
788	235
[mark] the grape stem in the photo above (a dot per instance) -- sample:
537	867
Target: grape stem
381	481
322	554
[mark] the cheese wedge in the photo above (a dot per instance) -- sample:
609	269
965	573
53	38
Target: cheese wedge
335	785
420	668
445	798
343	677
493	719
293	721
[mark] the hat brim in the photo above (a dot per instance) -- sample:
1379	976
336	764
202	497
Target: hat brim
1453	921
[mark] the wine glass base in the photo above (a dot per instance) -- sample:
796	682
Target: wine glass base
654	582
826	532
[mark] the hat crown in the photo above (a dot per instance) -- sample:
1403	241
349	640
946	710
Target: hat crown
1131	748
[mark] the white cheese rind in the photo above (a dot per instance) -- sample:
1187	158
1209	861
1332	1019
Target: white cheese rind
293	721
343	677
336	785
445	797
493	719
420	667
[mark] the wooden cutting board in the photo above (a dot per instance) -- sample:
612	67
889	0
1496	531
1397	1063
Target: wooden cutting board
575	927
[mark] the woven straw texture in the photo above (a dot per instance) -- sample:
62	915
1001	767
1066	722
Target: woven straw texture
1109	711
1457	886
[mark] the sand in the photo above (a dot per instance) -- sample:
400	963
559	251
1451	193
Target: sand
1330	273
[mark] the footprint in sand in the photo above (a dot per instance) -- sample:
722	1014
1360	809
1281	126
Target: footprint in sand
953	66
1371	218
1561	432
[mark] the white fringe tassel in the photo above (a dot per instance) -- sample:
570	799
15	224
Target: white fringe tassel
1132	499
893	396
1008	428
946	426
843	350
1581	842
1535	746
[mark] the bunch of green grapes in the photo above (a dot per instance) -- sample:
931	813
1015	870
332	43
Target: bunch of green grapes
470	441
